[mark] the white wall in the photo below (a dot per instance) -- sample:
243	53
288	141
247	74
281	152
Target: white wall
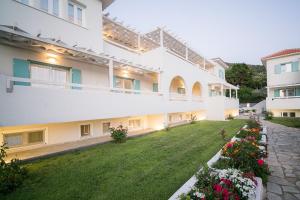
285	77
91	74
35	21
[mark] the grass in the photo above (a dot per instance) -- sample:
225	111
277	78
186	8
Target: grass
149	167
287	121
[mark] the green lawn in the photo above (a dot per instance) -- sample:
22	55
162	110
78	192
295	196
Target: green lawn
148	167
287	121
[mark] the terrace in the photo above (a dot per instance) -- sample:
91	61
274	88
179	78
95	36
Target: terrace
125	37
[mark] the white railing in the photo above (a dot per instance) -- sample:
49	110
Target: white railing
71	86
178	97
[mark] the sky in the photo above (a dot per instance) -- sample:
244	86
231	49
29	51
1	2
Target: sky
234	30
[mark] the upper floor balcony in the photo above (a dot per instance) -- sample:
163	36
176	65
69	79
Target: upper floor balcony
283	96
75	23
126	38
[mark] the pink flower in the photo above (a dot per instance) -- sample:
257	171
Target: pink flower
260	162
226	181
225	193
218	188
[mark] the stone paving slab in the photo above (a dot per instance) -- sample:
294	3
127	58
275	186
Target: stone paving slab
284	162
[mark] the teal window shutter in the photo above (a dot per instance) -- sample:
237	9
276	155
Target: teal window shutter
137	85
114	81
276	93
277	69
76	77
155	87
21	70
295	66
298	91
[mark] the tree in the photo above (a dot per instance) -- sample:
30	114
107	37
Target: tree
239	74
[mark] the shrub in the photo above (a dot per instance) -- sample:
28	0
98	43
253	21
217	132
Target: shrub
251	123
119	134
12	174
222	184
254	110
193	119
230	117
268	115
248	133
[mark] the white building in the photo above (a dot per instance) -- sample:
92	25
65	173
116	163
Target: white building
283	83
68	73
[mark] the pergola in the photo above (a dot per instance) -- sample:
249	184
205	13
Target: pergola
117	33
223	87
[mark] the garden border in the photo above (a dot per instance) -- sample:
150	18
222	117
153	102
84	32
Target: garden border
187	186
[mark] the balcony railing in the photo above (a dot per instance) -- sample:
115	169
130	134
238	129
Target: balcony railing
10	83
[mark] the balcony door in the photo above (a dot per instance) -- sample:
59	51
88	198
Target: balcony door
49	76
124	83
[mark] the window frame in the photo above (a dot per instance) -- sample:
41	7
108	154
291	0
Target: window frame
26	144
293	114
75	13
91	130
106	133
134	120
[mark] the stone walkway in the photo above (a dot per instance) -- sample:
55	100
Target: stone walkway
284	162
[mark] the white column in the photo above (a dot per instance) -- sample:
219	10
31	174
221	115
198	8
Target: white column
139	42
161	38
222	90
204	63
236	93
159	81
230	92
268	92
111	74
166	120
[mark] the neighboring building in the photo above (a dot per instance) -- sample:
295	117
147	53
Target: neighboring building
68	73
283	83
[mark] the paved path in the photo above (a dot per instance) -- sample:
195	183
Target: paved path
284	162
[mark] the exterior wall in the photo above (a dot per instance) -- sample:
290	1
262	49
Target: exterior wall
68	132
277	104
285	77
91	74
277	112
50	26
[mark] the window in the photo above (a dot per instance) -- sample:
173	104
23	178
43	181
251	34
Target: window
55	10
134	124
13	140
181	90
71	12
79	16
48	74
25	2
105	127
284	114
221	74
123	83
44	5
287	67
24	138
292	114
75	13
85	130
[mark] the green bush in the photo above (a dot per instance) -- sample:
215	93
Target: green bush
12	174
230	117
247	133
251	123
193	119
119	134
268	115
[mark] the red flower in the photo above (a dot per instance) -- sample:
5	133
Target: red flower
229	145
218	188
225	193
226	181
260	162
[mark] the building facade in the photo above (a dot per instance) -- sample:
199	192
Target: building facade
69	72
283	83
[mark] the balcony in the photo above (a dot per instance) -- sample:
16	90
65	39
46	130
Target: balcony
283	102
37	22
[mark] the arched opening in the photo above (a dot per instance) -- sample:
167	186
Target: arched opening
178	85
196	89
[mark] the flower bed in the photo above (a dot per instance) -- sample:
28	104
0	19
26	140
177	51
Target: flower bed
235	172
